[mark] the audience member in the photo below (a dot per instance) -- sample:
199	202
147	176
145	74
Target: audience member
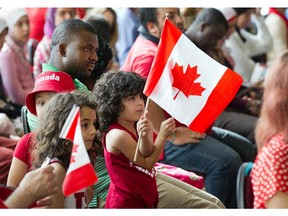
128	24
54	17
7	146
239	115
269	173
111	17
46	86
74	47
37	186
74	50
8	141
118	116
104	52
11	109
49	144
8	110
189	15
100	24
277	25
245	45
17	78
37	17
210	43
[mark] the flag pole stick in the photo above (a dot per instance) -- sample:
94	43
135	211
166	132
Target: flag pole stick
139	139
140	135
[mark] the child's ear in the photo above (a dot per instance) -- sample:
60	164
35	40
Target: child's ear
62	50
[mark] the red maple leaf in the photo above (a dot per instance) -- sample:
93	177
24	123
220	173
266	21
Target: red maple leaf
74	149
185	82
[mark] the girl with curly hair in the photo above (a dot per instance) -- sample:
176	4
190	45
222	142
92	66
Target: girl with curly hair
48	143
122	119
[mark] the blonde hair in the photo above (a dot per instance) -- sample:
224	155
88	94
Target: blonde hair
274	113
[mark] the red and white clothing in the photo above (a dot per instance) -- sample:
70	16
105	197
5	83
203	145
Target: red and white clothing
277	25
75	200
131	186
270	171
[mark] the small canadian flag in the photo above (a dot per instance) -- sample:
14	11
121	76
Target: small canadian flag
187	83
80	173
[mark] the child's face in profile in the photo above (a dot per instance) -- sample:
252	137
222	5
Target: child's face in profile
41	100
133	108
87	120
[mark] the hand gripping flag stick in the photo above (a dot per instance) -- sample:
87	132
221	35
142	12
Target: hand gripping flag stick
140	135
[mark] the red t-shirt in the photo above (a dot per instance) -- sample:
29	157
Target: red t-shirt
131	186
270	171
22	150
140	57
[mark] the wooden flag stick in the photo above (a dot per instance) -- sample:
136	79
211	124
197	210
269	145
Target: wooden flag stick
140	135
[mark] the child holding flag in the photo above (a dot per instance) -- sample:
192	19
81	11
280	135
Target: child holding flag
121	108
59	150
46	85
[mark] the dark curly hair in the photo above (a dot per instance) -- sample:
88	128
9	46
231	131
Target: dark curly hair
47	135
109	92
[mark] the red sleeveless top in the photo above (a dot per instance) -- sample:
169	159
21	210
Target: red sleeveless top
131	186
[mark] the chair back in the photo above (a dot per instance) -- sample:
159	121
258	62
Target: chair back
26	128
244	190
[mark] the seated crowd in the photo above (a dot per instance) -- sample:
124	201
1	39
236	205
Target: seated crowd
99	59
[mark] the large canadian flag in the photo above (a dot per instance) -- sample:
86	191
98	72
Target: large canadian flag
187	83
80	173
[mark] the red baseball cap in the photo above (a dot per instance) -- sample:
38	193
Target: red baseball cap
49	81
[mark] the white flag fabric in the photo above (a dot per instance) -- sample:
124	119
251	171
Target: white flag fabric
187	83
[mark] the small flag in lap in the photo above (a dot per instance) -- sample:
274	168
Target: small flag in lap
187	83
80	173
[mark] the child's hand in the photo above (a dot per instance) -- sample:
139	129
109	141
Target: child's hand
145	126
168	127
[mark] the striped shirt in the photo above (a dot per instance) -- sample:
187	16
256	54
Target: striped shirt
102	185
